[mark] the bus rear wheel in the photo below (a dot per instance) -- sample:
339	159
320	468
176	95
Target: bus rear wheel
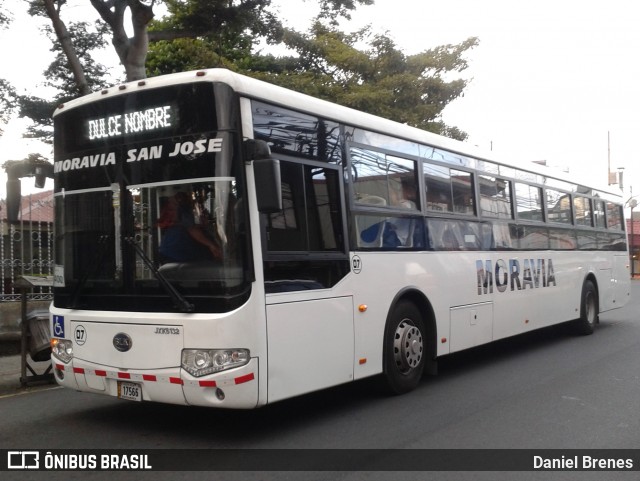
586	324
404	348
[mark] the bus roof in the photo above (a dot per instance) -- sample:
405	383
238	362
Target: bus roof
257	89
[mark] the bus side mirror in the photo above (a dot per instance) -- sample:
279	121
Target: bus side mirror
34	165
268	185
266	171
14	198
41	172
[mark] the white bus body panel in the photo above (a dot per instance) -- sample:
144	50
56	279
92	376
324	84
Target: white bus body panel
464	317
148	351
154	360
310	344
471	325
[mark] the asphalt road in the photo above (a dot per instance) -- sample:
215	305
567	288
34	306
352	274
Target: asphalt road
545	390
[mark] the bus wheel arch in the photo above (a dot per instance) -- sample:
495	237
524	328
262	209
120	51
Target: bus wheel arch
409	344
589	307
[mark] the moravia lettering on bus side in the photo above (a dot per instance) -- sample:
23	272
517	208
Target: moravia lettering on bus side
514	274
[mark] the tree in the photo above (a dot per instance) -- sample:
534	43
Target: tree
8	99
223	24
132	52
380	79
8	103
210	33
5	17
74	70
222	33
52	9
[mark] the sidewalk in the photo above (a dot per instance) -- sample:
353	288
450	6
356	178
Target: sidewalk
10	359
10	375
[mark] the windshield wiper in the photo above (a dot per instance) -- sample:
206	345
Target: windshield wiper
103	246
180	302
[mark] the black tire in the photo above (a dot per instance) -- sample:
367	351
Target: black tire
589	309
405	348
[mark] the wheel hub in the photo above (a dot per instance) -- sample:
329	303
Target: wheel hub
408	346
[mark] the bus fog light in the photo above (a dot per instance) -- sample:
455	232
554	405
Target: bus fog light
62	349
200	362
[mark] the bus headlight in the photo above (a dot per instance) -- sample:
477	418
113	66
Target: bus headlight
62	349
200	362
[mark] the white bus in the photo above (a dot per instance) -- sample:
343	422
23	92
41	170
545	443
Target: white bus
225	242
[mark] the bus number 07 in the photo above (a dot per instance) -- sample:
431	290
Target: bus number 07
80	335
356	264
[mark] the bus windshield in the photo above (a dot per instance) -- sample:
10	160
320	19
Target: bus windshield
150	220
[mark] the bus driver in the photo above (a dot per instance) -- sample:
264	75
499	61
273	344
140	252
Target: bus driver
184	240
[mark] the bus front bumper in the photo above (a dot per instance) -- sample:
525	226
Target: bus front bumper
235	389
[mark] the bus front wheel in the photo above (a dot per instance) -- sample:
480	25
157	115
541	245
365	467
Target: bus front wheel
404	348
588	309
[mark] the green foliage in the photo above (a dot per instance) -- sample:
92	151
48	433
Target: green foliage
5	16
86	39
183	54
381	79
208	33
39	110
220	18
8	97
8	102
332	10
361	70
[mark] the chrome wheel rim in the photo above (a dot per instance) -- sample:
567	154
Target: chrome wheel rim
408	346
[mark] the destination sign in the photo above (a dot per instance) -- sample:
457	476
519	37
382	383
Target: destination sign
188	148
130	123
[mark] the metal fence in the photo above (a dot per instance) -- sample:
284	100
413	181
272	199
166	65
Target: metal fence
27	248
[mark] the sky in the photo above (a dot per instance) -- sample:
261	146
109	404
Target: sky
552	80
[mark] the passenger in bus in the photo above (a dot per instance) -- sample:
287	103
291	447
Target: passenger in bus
399	231
405	197
184	240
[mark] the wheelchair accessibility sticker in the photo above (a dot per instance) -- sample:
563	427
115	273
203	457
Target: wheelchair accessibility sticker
58	326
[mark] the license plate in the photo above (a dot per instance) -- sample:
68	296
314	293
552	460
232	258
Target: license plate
130	391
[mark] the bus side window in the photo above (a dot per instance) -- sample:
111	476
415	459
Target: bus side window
444	235
404	230
495	197
449	190
305	241
598	212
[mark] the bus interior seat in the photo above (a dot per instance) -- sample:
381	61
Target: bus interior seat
405	230
370	228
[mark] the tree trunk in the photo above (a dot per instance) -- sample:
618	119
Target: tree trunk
67	47
131	51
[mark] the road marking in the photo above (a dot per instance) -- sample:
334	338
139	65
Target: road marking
3	396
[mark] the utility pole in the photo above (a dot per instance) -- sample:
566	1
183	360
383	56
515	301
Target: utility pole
609	158
632	203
